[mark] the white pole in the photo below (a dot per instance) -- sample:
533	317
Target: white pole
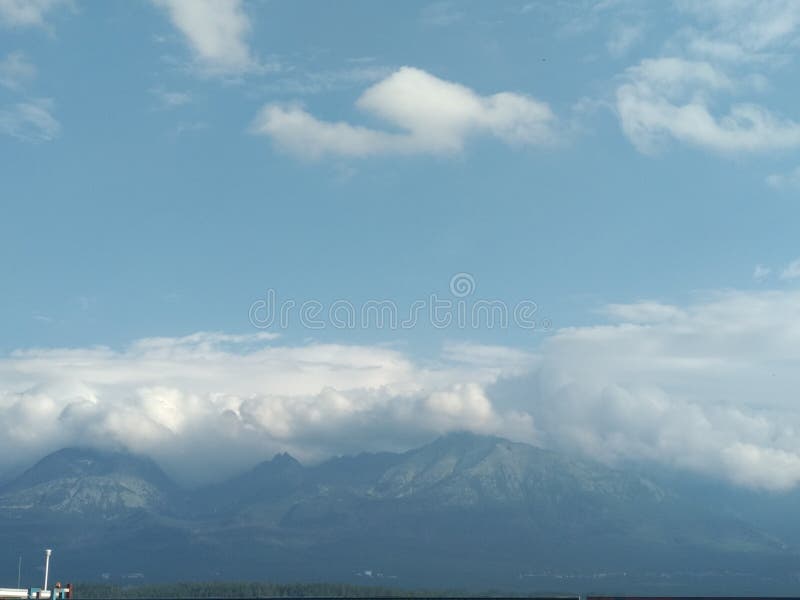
47	554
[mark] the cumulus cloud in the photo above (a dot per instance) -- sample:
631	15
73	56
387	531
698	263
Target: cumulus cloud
710	387
210	404
669	99
30	121
27	13
425	115
216	32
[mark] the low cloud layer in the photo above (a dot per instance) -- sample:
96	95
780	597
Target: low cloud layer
423	114
208	405
710	387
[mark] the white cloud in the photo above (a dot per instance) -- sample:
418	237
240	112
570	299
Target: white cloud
216	31
792	270
711	61
670	98
27	13
711	389
708	387
209	404
30	121
433	116
16	71
785	181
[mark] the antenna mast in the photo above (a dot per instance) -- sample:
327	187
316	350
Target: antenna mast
47	554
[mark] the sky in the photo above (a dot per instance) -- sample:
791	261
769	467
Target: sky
230	229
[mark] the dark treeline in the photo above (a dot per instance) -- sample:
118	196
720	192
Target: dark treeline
108	591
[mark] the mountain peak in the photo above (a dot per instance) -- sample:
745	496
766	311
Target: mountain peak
285	459
89	462
462	503
88	480
268	479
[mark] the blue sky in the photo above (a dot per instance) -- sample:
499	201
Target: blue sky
621	164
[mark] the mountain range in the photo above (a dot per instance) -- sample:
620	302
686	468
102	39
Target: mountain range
463	512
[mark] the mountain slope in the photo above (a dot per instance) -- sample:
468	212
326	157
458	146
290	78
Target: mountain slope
89	483
463	510
531	506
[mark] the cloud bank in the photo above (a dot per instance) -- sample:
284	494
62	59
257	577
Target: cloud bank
208	405
710	387
424	115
